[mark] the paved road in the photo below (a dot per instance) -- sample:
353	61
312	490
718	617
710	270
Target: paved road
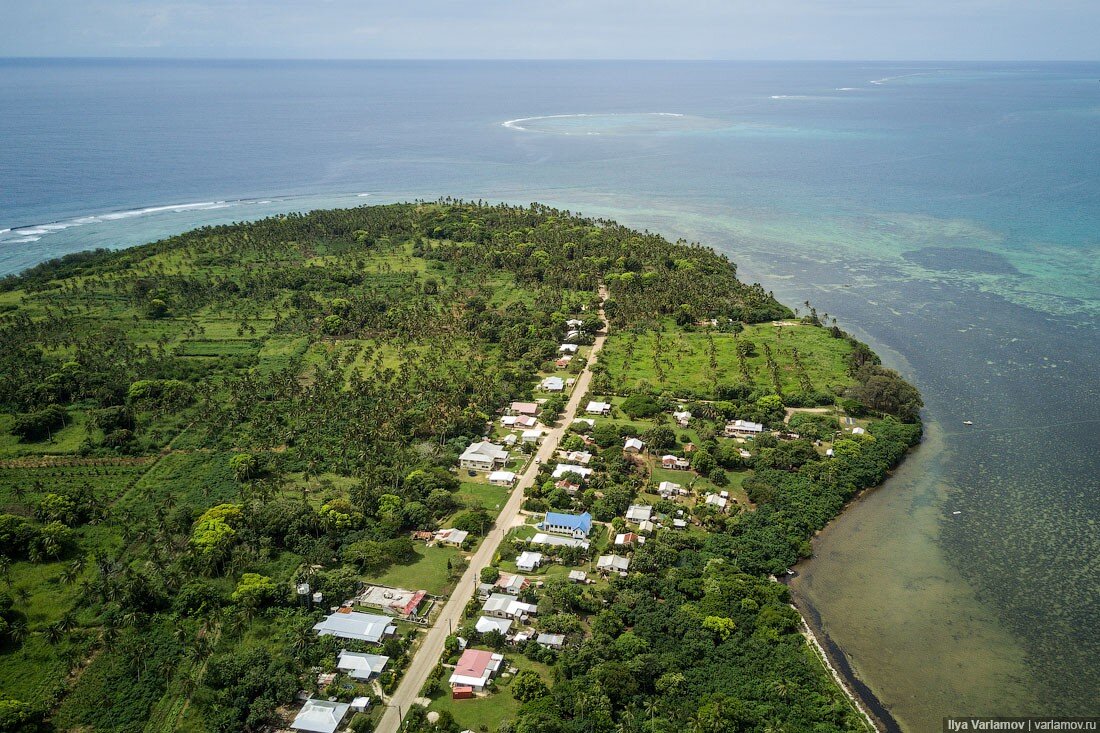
431	648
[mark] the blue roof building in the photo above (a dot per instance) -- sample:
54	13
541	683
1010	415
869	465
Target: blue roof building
573	525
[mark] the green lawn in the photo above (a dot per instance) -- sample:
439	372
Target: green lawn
489	712
429	572
491	497
67	440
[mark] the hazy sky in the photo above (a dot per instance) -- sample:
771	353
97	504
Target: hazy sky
718	29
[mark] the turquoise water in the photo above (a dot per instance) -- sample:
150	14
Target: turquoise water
949	214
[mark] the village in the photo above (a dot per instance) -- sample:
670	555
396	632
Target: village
579	482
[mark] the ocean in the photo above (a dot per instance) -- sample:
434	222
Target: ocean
947	213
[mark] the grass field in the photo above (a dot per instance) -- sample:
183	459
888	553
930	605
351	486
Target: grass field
683	364
107	481
201	479
65	441
486	495
429	572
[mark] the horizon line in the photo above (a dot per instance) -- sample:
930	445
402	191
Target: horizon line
556	59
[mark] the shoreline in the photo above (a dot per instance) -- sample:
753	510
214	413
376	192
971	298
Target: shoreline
874	712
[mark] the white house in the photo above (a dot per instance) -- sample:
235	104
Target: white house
585	421
598	408
682	418
612	563
574	323
453	537
578	576
503	605
717	501
646	525
676	463
354	625
743	428
551	641
568	349
639	513
483	456
320	716
633	445
528	561
551	540
667	489
502	478
474	669
581	457
552	384
360	666
858	431
563	468
531	436
508	421
485	624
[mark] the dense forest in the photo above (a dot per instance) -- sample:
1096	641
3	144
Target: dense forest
190	428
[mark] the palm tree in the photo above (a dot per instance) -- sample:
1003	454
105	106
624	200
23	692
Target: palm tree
54	634
5	570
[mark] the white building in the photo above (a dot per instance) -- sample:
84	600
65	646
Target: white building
531	436
568	348
360	666
682	418
483	456
485	624
598	408
639	513
633	445
552	384
502	478
503	605
320	716
717	501
354	625
612	563
474	668
551	540
743	428
563	468
528	561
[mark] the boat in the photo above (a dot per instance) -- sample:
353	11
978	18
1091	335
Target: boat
967	422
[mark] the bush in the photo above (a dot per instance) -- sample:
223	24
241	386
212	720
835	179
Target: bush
40	424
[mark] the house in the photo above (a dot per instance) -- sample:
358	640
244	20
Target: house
675	463
858	431
511	583
679	524
360	666
320	716
743	428
627	538
552	384
360	704
526	422
744	453
668	489
563	468
474	669
717	501
483	456
508	421
612	563
646	526
829	452
453	537
638	513
598	408
578	576
581	457
502	478
510	440
682	418
576	526
568	349
503	605
551	540
585	420
531	436
485	624
462	692
572	334
633	445
348	624
525	408
551	641
563	362
528	561
570	487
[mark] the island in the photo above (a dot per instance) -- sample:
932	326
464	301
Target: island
432	466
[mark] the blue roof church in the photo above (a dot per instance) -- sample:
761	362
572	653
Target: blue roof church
574	525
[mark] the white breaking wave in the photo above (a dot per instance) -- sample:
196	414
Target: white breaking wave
34	232
847	89
516	123
362	195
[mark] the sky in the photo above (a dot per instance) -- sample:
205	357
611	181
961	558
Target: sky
555	29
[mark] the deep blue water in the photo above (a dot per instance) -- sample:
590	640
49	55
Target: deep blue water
950	213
